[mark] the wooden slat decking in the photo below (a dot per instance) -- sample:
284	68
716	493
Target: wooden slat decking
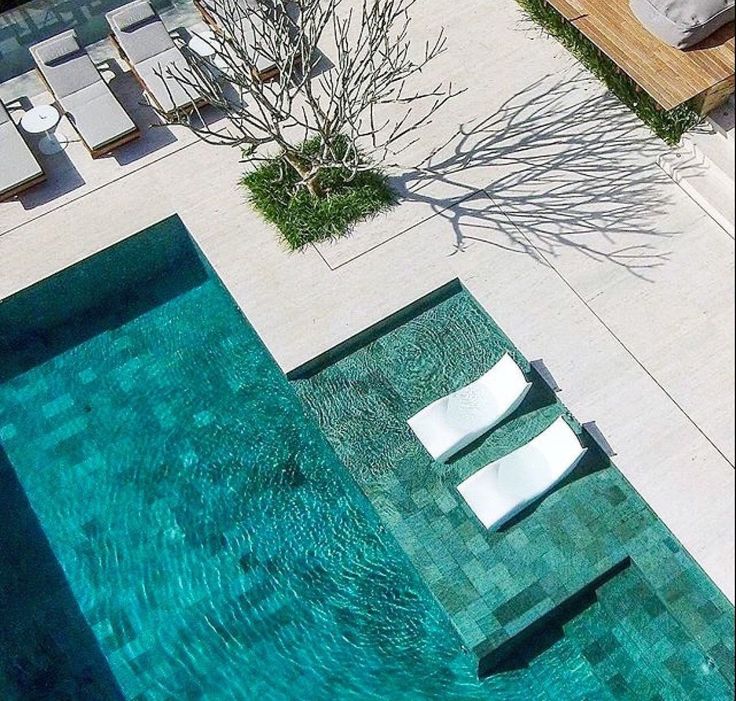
669	75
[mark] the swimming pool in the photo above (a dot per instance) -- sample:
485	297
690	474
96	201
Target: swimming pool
587	580
203	539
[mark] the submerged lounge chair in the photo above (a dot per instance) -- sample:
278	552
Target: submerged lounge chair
455	421
83	94
144	42
19	169
505	487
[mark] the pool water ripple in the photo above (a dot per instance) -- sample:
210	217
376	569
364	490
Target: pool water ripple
214	543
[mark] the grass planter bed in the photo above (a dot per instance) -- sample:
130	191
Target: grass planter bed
668	125
302	218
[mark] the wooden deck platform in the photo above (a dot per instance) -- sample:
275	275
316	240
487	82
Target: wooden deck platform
671	76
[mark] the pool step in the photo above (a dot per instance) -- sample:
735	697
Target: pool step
495	655
628	623
604	632
564	673
703	166
612	656
684	668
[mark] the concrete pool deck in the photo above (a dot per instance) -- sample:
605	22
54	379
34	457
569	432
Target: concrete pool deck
547	204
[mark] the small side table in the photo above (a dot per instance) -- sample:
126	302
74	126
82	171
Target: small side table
41	120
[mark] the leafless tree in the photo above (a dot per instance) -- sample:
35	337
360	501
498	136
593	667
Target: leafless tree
269	76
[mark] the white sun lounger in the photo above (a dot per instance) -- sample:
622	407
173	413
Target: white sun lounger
252	30
83	94
156	62
455	421
19	169
502	489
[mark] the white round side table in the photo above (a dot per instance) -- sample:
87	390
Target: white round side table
41	120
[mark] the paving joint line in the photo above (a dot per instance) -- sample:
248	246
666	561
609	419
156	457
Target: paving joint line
612	333
94	190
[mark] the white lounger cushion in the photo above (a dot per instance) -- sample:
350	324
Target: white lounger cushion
505	487
455	421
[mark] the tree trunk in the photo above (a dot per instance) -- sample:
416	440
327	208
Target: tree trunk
310	182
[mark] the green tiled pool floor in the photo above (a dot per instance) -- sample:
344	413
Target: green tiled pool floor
175	528
494	585
209	545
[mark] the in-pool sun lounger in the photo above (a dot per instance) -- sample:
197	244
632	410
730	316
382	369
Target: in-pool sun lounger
502	489
455	421
19	169
144	42
83	94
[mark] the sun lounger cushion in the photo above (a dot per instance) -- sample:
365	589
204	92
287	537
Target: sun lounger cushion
453	422
250	25
238	6
97	116
65	71
84	95
140	40
502	489
18	165
683	23
58	48
167	91
253	30
130	16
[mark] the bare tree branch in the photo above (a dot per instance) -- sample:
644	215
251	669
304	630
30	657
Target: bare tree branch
269	76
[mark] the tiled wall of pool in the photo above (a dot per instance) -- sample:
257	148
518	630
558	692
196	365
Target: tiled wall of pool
175	527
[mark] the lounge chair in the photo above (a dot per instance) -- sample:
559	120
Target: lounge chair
146	45
455	421
211	9
505	487
19	169
83	94
251	26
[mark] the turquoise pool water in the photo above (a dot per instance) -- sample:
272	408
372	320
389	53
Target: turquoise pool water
188	532
658	628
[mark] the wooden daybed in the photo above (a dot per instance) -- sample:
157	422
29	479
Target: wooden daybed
704	73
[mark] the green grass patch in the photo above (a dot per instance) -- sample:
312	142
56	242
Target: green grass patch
302	218
668	125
